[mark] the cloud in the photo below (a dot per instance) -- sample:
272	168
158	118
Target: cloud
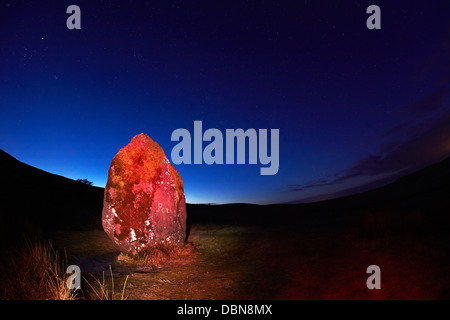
425	106
423	139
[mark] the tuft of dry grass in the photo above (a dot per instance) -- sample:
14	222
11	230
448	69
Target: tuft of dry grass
37	272
103	292
156	255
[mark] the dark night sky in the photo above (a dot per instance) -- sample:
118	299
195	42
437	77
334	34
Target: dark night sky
355	107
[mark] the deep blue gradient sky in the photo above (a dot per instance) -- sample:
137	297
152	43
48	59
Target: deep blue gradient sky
355	107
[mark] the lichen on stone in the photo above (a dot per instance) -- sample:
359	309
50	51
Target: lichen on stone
144	197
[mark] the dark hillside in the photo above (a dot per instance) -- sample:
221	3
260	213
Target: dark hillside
37	203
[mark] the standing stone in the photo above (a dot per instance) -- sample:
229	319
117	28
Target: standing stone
144	203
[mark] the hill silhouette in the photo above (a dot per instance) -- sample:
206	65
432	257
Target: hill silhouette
37	203
426	191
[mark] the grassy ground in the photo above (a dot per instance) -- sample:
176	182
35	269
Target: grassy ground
229	262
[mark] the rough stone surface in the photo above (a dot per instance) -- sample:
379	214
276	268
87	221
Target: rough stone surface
144	203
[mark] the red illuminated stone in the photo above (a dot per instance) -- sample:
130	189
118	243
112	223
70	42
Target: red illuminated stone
144	203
